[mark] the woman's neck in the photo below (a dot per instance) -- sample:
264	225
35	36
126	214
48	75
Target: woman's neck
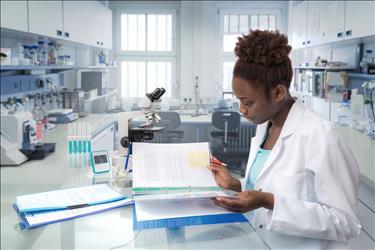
280	118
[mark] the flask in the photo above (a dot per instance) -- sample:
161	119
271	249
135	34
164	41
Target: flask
344	112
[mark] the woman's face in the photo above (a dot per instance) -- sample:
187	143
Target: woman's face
254	104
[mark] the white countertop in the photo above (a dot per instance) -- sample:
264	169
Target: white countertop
106	230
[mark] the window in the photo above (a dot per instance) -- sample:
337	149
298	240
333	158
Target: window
233	25
140	77
146	52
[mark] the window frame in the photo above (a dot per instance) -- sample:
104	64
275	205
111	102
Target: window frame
120	12
174	86
145	56
230	56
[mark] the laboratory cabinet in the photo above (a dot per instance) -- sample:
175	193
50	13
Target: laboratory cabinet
93	26
45	18
86	22
14	15
319	22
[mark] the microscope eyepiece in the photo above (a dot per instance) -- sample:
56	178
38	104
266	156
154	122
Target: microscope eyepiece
156	94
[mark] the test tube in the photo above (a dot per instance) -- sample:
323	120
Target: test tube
84	138
79	137
70	142
88	138
74	132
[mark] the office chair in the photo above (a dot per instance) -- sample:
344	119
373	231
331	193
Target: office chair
228	123
170	121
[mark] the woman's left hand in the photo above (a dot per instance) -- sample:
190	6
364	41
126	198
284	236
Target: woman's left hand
246	201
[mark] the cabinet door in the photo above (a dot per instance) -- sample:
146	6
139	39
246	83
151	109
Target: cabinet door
102	34
45	18
78	24
299	25
313	18
331	25
359	19
106	29
14	15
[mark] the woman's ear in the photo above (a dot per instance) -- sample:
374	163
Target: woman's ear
279	92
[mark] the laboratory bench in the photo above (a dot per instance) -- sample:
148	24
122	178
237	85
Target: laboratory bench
108	230
114	229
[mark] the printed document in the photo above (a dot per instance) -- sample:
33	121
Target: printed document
41	218
172	165
60	199
178	208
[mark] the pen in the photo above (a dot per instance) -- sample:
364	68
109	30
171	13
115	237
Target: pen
217	162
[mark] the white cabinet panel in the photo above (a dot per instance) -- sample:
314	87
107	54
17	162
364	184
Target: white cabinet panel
363	241
78	17
45	18
14	15
299	25
88	22
331	21
359	19
104	27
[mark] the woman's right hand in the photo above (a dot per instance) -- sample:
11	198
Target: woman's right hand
223	178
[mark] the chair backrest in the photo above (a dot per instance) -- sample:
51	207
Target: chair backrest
226	120
169	120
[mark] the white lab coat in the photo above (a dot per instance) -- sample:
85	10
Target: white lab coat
313	176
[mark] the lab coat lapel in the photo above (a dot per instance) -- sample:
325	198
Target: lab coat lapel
290	125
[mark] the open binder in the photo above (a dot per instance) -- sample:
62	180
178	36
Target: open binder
44	208
172	187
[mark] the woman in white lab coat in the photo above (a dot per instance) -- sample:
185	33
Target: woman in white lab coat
301	180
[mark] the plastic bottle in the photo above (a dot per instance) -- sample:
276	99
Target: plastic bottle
367	58
344	111
42	53
357	108
52	53
34	55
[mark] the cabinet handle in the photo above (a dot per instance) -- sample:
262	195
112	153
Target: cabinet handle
58	32
339	34
348	33
303	43
308	42
66	34
101	43
97	42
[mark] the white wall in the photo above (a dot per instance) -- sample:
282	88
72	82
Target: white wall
199	39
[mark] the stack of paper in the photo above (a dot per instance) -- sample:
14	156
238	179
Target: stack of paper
49	207
173	187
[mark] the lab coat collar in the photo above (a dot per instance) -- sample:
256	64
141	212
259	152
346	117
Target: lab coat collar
292	121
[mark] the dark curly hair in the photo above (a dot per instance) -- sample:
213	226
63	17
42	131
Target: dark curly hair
263	59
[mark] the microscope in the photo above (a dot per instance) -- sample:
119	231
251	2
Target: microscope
127	134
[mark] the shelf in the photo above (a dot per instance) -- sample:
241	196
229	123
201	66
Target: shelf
324	68
361	76
42	67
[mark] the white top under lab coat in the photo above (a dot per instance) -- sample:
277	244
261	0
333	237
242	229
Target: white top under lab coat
313	176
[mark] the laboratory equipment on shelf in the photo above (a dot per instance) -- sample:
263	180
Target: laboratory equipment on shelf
369	92
127	134
62	116
19	140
